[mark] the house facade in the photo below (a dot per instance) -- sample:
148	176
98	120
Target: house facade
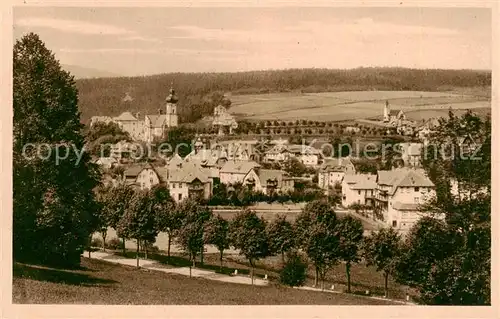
269	181
358	189
400	194
332	171
188	181
233	172
142	176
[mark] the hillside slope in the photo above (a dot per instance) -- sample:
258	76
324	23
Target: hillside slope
104	96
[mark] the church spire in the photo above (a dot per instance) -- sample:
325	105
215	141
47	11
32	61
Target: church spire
172	97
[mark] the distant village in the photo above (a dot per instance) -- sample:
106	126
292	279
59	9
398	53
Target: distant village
392	197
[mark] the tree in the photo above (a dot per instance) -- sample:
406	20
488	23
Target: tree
247	232
114	201
350	231
294	167
316	235
139	221
53	200
168	219
294	272
281	236
190	234
452	257
217	234
381	249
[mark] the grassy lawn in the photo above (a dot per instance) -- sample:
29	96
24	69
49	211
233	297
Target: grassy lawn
362	277
100	282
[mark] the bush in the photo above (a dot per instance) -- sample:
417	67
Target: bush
96	242
293	273
113	243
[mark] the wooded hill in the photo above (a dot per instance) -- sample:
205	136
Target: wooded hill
105	96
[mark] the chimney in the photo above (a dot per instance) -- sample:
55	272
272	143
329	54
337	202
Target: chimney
159	111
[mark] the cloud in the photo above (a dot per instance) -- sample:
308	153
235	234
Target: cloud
151	51
139	38
73	26
311	32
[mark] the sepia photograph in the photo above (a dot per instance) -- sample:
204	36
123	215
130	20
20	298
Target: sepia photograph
251	155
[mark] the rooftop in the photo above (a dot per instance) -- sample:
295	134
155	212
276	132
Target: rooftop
241	167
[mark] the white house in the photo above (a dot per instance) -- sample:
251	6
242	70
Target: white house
188	180
332	171
130	124
306	154
268	181
142	176
400	192
358	189
411	153
106	162
235	171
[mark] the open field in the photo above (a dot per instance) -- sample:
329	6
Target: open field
344	106
99	282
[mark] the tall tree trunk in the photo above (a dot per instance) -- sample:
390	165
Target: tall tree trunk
251	270
386	290
221	256
89	253
123	246
201	254
168	247
316	275
137	253
145	251
104	234
194	260
282	257
348	272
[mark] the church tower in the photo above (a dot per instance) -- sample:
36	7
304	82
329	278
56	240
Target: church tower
171	119
386	111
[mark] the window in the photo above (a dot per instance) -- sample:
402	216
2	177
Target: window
359	192
394	223
416	189
151	180
180	196
173	185
416	199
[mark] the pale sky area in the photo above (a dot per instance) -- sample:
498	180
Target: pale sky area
140	41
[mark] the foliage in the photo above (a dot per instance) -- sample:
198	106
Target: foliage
350	232
294	167
281	236
449	261
382	250
53	201
247	232
217	234
180	140
294	272
317	236
190	234
139	220
114	243
101	134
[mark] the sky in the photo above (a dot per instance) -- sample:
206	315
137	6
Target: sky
141	41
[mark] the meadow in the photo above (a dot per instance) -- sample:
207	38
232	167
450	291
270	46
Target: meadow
352	105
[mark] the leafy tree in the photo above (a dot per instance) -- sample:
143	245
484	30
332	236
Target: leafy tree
190	234
217	234
247	232
294	167
428	241
53	202
350	231
168	218
294	272
281	236
180	139
139	221
454	258
382	250
114	202
316	235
